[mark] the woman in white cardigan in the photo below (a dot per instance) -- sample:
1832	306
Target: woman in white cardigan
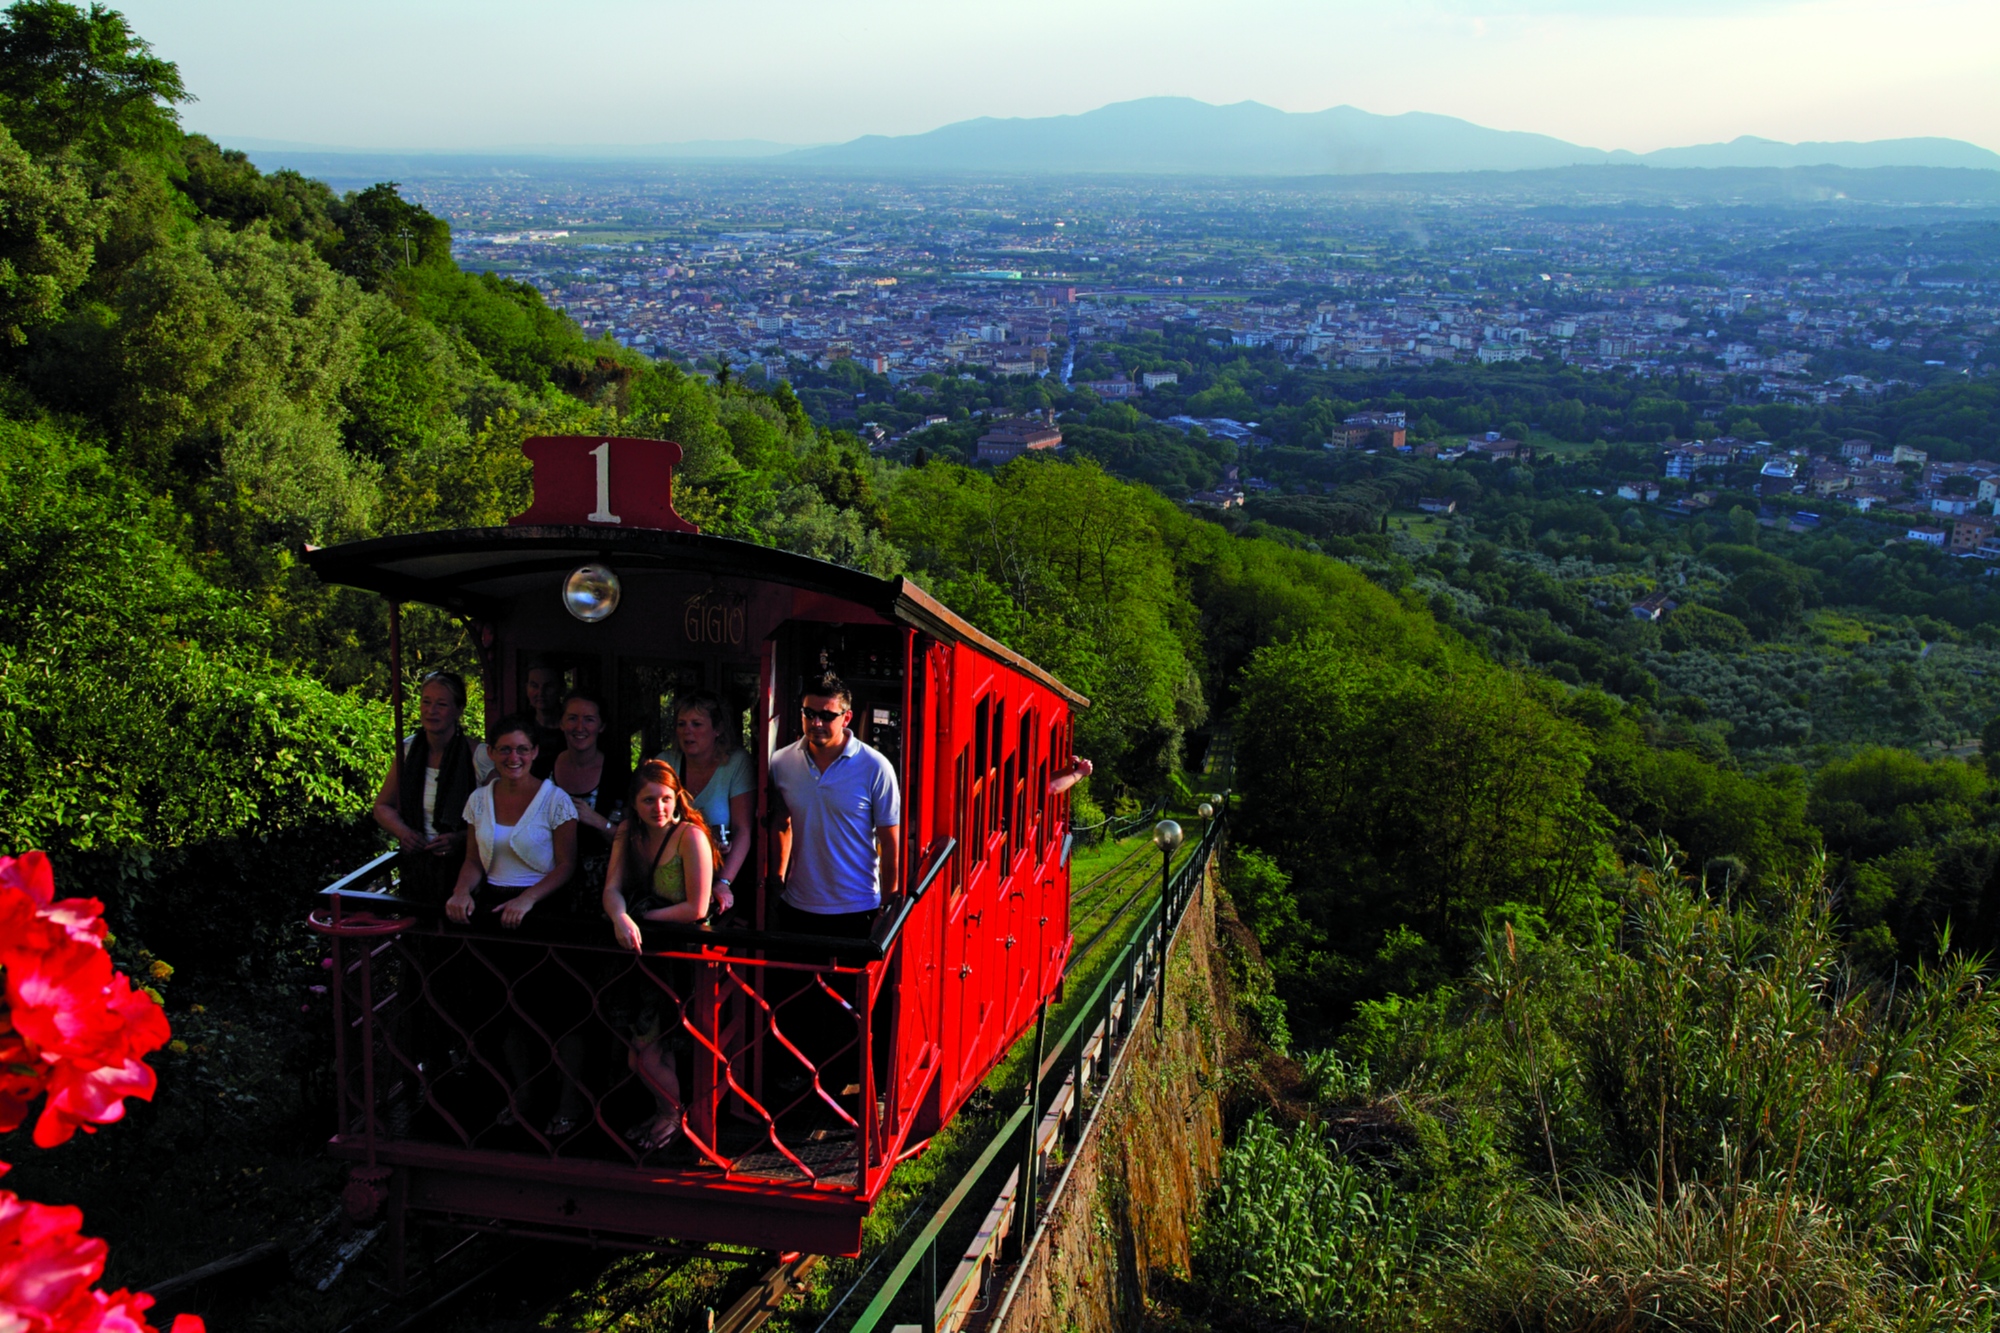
524	843
523	832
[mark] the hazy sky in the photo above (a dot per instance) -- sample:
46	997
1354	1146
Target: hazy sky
1636	74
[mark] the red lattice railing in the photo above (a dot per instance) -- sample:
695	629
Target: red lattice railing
771	1055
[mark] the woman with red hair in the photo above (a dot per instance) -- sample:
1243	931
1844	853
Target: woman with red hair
662	865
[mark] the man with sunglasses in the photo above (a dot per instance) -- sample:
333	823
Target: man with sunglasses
835	833
836	828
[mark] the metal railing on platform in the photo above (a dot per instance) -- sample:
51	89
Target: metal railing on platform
1060	1098
765	1056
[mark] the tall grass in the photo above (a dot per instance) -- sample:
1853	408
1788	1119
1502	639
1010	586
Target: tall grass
1698	1117
1297	1229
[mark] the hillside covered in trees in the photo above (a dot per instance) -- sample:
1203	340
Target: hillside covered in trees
1456	769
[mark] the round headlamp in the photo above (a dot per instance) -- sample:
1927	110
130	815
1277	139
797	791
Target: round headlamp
590	593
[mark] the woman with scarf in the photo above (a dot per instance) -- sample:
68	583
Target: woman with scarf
422	803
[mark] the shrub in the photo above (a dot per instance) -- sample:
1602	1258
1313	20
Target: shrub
1700	626
146	738
1698	1116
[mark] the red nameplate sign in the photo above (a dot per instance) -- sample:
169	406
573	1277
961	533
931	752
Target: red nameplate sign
603	481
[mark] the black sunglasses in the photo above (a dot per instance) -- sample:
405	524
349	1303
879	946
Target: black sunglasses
827	715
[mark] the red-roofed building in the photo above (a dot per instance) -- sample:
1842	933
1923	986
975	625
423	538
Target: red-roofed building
1010	439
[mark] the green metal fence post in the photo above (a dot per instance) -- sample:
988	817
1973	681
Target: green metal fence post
928	1287
1167	837
1073	1126
1024	1189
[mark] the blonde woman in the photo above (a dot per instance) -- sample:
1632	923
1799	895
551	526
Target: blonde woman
717	772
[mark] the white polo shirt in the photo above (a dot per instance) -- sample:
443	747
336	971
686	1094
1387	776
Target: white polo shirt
834	867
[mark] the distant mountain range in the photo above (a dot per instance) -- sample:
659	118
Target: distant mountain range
1168	136
1179	135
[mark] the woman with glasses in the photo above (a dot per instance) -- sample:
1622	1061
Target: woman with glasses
523	845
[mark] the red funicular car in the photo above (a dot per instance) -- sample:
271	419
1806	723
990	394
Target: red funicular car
436	1022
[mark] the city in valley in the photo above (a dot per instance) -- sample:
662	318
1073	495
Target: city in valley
1239	311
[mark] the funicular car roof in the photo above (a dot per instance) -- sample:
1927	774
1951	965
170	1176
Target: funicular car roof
476	571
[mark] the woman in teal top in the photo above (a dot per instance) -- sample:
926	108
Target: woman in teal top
717	774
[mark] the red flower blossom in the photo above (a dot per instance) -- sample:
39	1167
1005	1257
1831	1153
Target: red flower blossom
47	1267
31	873
44	1260
74	1026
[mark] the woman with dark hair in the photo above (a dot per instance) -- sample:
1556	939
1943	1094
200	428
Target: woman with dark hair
422	802
523	843
543	685
523	831
716	770
594	780
662	860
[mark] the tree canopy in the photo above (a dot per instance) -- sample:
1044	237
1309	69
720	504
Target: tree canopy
83	81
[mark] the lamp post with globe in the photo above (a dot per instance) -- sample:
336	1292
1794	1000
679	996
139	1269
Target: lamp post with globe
1207	812
1167	837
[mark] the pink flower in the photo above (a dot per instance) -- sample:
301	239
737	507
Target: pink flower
72	1028
31	873
58	998
84	1099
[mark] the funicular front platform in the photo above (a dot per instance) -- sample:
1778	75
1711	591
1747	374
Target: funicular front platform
453	1044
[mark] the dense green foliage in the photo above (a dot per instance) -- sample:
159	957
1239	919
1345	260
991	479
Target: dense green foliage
118	660
1297	1229
1697	1116
1406	800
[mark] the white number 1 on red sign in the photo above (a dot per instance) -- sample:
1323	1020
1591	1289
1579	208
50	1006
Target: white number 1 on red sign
602	453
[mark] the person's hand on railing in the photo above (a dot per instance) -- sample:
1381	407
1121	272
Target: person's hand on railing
459	906
626	931
515	910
